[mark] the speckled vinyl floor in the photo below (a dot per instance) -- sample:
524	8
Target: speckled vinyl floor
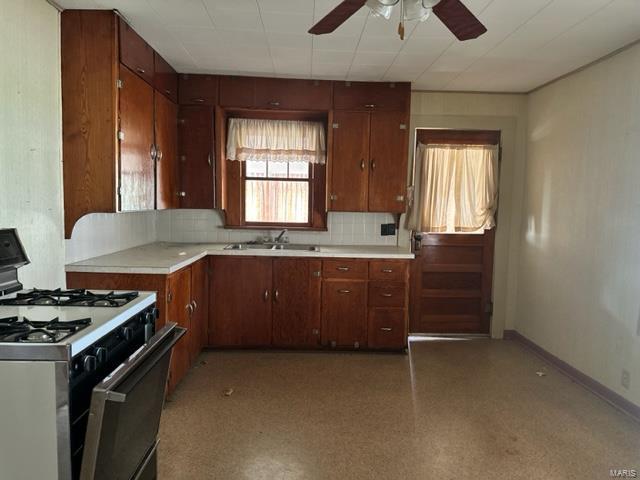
448	410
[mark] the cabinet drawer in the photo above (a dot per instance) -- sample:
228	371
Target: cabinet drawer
135	53
384	294
165	78
348	269
198	89
371	96
387	328
293	94
388	270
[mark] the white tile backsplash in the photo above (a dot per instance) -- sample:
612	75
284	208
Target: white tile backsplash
207	226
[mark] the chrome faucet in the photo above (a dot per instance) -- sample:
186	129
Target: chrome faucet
278	239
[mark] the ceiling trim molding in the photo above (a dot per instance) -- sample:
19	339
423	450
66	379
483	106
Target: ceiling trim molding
469	92
55	5
585	66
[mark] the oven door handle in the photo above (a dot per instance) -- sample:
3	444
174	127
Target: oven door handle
140	362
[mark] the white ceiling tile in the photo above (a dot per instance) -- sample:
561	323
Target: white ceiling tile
287	22
330	56
297	40
374	43
329	70
367	72
433	80
335	42
291	53
186	12
233	19
429	45
402	73
286	6
373	58
238	5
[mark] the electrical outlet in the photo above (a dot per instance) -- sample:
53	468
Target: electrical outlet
387	229
626	379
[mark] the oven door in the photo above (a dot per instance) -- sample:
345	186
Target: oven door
122	429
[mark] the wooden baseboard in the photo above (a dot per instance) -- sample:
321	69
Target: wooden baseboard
576	375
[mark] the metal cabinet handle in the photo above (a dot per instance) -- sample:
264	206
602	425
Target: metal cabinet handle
387	270
198	100
266	295
209	159
370	105
362	164
153	152
387	295
276	295
189	307
159	155
373	164
344	291
141	70
195	304
385	329
181	194
167	91
343	269
274	103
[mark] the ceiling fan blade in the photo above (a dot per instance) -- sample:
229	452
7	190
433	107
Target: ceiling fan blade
337	16
459	19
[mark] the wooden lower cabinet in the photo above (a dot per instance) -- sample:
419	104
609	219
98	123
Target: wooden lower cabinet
344	313
179	310
386	329
240	302
296	302
200	303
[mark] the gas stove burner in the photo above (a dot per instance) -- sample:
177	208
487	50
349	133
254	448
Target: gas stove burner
70	298
23	330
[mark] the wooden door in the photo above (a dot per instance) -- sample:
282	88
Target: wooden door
179	311
166	129
388	154
240	302
296	302
165	78
451	282
293	94
350	162
135	53
200	302
137	169
344	313
196	153
198	89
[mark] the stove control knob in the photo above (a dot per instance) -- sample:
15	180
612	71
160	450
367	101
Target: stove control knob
101	354
89	363
126	333
149	317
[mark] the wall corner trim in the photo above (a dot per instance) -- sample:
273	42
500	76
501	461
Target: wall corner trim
595	387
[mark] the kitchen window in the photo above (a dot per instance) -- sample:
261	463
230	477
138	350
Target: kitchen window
281	163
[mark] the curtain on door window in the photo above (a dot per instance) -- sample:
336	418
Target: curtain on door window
456	188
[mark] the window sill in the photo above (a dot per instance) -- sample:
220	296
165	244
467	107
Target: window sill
276	227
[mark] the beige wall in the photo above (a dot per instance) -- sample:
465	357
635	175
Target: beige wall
579	273
30	136
506	113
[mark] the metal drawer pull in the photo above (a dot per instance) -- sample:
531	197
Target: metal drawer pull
362	164
388	295
266	295
370	105
195	304
167	91
189	307
344	291
198	100
141	70
373	164
274	104
385	329
182	194
276	295
387	270
209	159
343	269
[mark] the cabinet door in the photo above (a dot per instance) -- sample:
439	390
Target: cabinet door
200	302
296	302
196	151
179	311
344	313
387	328
165	78
372	96
240	302
388	151
237	91
293	94
198	89
137	169
350	162
135	53
166	123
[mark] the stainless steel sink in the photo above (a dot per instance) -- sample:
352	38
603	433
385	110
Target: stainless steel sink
272	246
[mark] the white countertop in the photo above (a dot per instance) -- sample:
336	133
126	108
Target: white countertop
164	258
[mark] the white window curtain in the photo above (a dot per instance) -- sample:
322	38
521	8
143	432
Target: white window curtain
456	189
276	140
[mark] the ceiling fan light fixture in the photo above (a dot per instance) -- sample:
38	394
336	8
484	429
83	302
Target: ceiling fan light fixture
382	8
414	10
430	3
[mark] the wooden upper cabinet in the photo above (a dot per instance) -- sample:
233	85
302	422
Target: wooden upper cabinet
237	91
135	53
292	94
166	130
137	169
196	154
349	162
296	302
388	152
165	79
198	89
370	96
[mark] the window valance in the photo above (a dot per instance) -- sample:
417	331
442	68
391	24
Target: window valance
276	140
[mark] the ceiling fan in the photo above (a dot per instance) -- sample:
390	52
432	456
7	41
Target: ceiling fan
456	17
